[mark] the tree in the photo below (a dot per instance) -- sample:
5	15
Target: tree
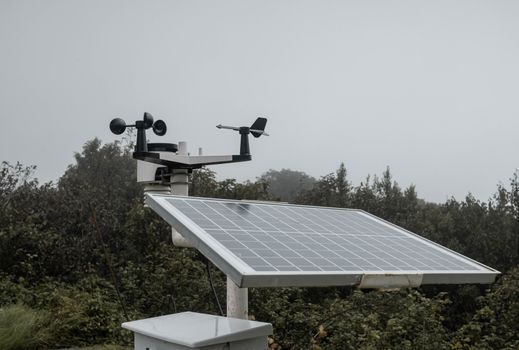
331	190
343	187
286	184
203	183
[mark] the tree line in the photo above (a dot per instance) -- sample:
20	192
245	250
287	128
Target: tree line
82	255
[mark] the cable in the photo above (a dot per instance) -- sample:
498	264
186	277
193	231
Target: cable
210	278
108	261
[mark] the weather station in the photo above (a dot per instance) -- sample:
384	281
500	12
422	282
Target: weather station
259	244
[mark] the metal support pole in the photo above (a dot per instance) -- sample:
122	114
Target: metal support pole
237	301
180	187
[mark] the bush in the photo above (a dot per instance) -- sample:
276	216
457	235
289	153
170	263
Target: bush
80	315
495	324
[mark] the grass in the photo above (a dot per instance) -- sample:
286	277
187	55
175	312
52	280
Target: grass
103	347
21	327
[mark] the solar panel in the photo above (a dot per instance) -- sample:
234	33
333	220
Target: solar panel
269	244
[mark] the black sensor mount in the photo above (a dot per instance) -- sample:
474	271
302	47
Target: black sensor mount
118	126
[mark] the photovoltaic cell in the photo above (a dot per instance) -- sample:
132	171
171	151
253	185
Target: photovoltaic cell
304	245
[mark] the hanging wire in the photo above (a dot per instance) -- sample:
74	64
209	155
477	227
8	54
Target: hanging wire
108	261
210	278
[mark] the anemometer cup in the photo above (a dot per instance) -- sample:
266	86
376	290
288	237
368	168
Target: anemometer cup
160	128
148	120
117	126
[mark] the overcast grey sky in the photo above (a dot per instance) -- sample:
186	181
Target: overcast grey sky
429	88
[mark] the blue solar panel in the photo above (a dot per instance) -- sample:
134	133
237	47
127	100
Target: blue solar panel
302	245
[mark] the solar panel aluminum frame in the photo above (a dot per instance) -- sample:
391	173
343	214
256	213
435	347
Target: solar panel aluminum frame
244	276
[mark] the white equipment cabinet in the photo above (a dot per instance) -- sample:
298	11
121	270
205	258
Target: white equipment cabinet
191	330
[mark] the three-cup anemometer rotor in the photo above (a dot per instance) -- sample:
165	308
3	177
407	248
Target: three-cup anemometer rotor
118	125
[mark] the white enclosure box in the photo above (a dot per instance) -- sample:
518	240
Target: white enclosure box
190	330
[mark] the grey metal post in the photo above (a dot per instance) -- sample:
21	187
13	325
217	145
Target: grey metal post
180	177
237	301
180	187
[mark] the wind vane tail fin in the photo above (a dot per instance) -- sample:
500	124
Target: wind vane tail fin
258	125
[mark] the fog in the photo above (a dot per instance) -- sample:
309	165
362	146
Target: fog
428	88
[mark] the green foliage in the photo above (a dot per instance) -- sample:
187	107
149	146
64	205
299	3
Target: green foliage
331	190
81	317
85	252
387	320
286	184
81	314
204	184
11	178
495	323
365	320
104	347
21	328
